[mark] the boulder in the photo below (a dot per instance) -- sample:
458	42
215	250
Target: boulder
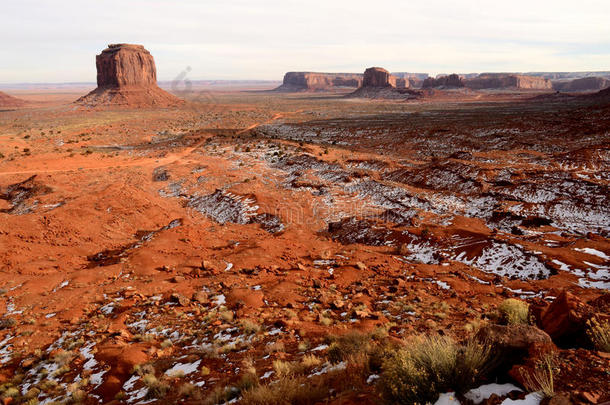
378	77
513	338
127	76
565	319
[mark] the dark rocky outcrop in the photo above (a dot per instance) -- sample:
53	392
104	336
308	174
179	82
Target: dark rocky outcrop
451	81
508	81
126	76
313	81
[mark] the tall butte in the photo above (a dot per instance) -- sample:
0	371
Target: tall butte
126	76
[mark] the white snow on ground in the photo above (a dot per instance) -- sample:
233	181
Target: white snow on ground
183	368
593	252
478	395
447	399
602	285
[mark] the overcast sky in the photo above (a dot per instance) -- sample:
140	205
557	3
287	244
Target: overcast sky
57	40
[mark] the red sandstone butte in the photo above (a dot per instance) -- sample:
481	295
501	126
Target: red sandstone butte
126	76
378	77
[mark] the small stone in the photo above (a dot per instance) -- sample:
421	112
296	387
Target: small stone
200	297
179	299
361	266
178	279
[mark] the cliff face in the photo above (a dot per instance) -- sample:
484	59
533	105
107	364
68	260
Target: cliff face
125	65
126	76
402	83
378	77
452	80
583	84
314	81
508	81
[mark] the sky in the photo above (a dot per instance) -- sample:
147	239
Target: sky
57	40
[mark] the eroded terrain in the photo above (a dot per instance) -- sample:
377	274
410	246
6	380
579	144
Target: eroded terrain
240	229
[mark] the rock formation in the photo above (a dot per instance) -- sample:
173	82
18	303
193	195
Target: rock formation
378	77
508	81
379	83
313	81
402	83
582	84
452	80
10	101
126	76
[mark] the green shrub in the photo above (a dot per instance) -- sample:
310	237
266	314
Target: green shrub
514	311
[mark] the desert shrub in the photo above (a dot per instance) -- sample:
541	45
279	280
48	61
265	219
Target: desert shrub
295	391
541	378
156	388
429	365
342	347
250	327
599	333
291	369
514	311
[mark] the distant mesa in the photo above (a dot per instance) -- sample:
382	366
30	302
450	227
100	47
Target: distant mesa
582	84
126	76
451	81
379	83
10	101
508	81
316	81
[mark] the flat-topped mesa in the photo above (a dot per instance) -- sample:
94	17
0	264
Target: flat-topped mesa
126	76
125	65
378	77
315	81
450	81
582	84
508	81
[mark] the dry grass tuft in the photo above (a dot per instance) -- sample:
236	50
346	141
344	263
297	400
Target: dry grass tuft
514	311
599	333
541	379
429	365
